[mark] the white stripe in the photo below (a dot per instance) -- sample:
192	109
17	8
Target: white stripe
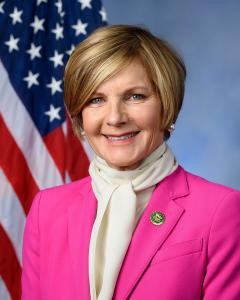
67	178
64	128
26	135
87	148
4	295
12	216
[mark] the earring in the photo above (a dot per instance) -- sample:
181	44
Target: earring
171	128
82	132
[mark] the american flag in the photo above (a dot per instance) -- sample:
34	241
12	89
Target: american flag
37	146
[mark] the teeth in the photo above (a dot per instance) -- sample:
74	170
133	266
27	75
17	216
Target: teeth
120	138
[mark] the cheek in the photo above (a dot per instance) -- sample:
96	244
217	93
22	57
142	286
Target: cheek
89	122
151	124
150	120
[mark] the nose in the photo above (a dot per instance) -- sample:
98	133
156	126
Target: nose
116	114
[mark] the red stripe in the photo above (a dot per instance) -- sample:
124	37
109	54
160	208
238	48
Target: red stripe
15	168
77	160
55	144
10	269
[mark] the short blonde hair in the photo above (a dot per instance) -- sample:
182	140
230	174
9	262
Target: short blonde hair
106	51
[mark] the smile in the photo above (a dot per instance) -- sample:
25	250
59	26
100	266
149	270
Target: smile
121	137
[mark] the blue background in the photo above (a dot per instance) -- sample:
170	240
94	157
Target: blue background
207	35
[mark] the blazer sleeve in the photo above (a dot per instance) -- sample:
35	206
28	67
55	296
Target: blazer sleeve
31	259
222	279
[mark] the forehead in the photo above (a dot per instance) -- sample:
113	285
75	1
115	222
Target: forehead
133	74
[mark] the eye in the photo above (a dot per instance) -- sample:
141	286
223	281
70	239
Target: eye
95	101
137	97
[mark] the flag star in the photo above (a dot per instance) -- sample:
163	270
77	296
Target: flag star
31	79
53	113
57	59
37	24
59	5
80	27
58	31
1	7
12	43
85	3
69	52
34	51
16	16
40	1
55	86
103	13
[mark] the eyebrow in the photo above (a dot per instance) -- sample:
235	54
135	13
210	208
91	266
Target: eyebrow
130	89
137	88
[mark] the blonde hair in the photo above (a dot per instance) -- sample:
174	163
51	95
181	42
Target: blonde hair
106	51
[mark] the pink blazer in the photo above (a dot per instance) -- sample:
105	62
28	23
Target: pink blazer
194	254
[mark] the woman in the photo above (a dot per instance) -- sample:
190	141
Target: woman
140	227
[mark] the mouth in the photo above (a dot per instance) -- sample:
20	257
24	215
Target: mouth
123	137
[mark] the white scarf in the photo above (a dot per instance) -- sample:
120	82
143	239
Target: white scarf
118	194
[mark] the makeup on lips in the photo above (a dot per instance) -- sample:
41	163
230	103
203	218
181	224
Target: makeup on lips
125	137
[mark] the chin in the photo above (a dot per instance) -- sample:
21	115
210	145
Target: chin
123	165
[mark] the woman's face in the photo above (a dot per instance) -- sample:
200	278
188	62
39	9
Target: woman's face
122	119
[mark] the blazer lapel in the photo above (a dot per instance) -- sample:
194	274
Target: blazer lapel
81	216
148	238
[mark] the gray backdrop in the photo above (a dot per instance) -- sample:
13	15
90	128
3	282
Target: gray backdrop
207	34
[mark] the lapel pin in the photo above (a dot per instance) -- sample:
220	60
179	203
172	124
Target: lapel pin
157	218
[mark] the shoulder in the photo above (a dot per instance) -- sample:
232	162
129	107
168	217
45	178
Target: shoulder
186	183
211	197
203	195
57	199
76	187
201	185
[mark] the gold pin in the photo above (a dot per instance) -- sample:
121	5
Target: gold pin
157	218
